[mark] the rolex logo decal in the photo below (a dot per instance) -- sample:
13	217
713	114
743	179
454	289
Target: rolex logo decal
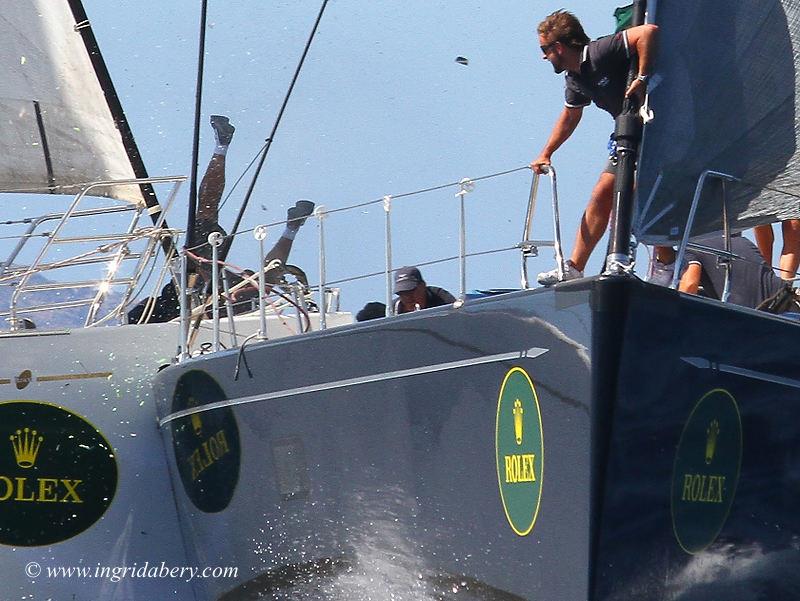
26	445
58	474
519	448
706	470
206	444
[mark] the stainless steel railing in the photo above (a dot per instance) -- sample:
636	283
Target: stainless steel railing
724	256
115	248
530	248
325	294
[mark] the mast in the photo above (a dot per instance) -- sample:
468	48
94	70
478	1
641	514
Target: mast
84	27
201	52
628	134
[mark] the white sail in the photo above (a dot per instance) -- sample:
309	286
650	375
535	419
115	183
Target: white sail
56	128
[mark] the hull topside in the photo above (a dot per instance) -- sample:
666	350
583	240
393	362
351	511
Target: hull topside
604	440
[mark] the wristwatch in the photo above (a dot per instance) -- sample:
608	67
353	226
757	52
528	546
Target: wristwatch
642	78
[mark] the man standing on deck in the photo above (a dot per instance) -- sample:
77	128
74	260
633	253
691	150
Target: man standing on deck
595	71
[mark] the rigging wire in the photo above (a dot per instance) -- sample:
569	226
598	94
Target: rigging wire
268	141
381	200
241	177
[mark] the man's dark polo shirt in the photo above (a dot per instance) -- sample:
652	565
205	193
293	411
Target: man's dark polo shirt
603	76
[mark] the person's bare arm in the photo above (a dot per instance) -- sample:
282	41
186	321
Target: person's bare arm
690	280
565	124
643	38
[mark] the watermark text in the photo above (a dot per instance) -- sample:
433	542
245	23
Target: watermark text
117	573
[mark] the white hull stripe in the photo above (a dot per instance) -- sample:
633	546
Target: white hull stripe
703	363
391	375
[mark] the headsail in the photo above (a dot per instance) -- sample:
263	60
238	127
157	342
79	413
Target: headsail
725	99
56	128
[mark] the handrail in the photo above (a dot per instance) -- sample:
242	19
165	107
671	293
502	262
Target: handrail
701	181
119	241
530	248
37	221
150	249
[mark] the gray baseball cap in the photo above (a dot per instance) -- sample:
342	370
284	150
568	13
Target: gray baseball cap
406	279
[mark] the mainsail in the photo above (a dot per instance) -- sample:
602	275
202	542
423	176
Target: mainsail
56	128
725	99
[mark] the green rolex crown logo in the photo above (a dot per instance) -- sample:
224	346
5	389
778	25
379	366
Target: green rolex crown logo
58	474
519	451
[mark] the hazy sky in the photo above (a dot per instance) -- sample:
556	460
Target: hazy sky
381	107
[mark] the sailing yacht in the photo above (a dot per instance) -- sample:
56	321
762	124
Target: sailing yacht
602	439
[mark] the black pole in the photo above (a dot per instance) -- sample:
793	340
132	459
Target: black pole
198	102
628	134
264	152
112	100
611	309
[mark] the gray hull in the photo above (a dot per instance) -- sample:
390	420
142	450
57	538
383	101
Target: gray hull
368	463
87	393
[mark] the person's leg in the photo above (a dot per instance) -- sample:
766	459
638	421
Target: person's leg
594	221
790	253
209	195
213	182
765	238
295	217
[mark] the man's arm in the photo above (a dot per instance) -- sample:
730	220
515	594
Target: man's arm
643	39
690	280
565	124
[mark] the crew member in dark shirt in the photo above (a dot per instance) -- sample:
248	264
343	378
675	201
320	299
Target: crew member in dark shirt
751	280
414	294
596	71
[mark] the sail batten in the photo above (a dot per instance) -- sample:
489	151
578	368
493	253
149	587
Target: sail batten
726	101
56	129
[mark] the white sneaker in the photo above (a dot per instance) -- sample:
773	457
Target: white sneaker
661	274
548	278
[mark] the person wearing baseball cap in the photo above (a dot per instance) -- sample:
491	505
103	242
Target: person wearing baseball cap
414	294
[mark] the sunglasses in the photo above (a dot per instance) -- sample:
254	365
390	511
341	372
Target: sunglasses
547	48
